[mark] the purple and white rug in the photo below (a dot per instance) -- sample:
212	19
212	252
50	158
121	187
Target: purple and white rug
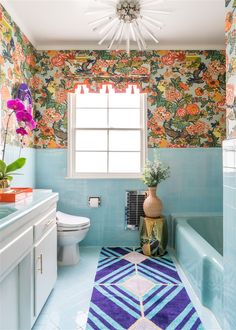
135	292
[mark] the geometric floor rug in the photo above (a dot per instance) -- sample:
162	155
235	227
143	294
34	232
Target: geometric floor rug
136	292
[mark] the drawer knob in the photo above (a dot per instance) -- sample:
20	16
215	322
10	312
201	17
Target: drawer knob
40	260
49	222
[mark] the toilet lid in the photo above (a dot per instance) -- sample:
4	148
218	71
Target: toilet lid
67	220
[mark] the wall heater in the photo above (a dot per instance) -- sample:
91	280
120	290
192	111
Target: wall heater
133	208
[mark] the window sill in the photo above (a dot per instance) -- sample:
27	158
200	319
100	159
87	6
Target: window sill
104	176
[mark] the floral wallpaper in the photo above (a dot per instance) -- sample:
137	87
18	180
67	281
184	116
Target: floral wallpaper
186	92
185	89
17	65
230	28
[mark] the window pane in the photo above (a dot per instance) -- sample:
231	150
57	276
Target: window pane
91	140
124	118
124	100
91	100
94	118
124	140
121	162
91	162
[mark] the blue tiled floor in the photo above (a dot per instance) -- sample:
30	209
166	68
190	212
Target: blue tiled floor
68	305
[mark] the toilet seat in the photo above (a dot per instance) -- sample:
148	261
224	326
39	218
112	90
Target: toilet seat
67	222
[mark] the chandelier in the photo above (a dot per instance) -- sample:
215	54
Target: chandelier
131	21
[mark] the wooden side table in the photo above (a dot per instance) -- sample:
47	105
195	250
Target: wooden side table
153	236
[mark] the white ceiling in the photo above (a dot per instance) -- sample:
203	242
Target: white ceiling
62	24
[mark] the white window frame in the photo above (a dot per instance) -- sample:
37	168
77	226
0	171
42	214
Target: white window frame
72	174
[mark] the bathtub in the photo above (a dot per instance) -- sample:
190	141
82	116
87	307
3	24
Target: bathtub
198	245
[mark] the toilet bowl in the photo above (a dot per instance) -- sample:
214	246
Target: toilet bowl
70	231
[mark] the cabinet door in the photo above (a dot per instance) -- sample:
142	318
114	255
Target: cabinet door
45	267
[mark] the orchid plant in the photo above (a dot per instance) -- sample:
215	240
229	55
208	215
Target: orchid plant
26	123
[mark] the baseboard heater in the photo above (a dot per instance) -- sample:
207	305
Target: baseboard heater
133	208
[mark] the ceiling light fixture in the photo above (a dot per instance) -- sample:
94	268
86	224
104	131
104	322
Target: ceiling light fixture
127	20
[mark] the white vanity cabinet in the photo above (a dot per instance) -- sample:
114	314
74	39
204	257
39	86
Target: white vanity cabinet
28	261
45	273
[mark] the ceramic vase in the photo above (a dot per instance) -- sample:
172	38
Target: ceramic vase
152	205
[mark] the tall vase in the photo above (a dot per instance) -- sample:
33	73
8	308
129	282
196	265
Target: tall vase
152	205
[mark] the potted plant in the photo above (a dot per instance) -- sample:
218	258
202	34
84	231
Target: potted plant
25	124
154	172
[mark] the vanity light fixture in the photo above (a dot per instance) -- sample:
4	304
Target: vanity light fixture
127	20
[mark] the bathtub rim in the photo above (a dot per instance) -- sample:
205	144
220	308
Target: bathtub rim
174	217
204	247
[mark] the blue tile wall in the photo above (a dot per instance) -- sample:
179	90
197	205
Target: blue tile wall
27	179
195	185
229	176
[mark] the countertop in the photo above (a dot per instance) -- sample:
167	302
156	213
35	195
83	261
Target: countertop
25	206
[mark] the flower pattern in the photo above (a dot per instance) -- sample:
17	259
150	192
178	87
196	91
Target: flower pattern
185	92
230	28
18	64
185	89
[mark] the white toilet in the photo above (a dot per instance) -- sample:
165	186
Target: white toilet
70	231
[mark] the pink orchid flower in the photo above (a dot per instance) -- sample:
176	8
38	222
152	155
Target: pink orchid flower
16	105
31	124
23	116
21	131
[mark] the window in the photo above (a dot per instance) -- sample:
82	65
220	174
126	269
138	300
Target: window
106	134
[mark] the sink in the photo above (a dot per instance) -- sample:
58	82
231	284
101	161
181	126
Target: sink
6	210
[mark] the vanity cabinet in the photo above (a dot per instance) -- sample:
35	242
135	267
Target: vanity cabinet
28	261
45	272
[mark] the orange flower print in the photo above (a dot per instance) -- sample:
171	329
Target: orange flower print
228	21
41	123
168	59
161	114
18	53
199	91
172	95
158	130
1	60
35	81
192	109
47	131
184	86
181	112
215	68
51	116
30	60
9	73
213	83
230	94
61	96
58	60
180	56
70	56
199	128
52	144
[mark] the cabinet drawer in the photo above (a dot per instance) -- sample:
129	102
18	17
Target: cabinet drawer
46	223
13	252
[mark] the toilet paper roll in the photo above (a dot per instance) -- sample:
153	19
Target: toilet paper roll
94	202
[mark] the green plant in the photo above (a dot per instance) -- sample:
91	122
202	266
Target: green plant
6	171
155	172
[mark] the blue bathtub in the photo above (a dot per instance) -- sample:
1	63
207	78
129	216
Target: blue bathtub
198	245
